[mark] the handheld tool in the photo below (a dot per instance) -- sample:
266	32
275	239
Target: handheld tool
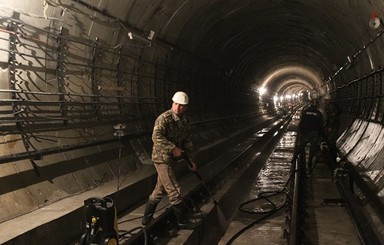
220	215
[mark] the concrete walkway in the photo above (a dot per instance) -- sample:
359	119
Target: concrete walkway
327	220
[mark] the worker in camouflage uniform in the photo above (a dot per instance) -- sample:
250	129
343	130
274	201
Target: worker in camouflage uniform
171	141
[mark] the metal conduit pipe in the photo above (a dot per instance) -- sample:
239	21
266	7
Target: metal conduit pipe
38	154
378	34
367	117
100	47
71	41
54	60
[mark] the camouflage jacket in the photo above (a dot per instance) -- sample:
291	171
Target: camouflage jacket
169	131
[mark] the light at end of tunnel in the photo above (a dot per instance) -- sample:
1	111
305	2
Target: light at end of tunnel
275	98
262	90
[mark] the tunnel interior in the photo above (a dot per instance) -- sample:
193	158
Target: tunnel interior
82	78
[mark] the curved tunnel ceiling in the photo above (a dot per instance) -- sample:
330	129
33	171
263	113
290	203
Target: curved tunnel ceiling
270	43
252	39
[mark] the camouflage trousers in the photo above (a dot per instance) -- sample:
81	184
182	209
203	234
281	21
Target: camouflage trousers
166	185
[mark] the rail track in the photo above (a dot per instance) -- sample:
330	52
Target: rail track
256	175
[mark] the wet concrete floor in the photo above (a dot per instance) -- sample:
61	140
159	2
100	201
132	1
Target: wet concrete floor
325	222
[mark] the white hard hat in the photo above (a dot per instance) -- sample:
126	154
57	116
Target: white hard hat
180	98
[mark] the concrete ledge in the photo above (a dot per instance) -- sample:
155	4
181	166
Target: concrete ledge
62	221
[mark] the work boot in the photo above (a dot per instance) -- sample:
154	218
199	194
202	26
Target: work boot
180	212
196	215
149	211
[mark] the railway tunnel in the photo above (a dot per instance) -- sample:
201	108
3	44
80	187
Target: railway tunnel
82	82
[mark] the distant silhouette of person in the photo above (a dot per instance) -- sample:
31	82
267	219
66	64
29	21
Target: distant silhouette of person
310	130
331	128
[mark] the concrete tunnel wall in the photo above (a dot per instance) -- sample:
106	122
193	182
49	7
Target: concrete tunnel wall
72	70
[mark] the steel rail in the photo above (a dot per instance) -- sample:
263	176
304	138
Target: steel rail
294	232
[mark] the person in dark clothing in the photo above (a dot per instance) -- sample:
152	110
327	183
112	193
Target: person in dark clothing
310	129
331	128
